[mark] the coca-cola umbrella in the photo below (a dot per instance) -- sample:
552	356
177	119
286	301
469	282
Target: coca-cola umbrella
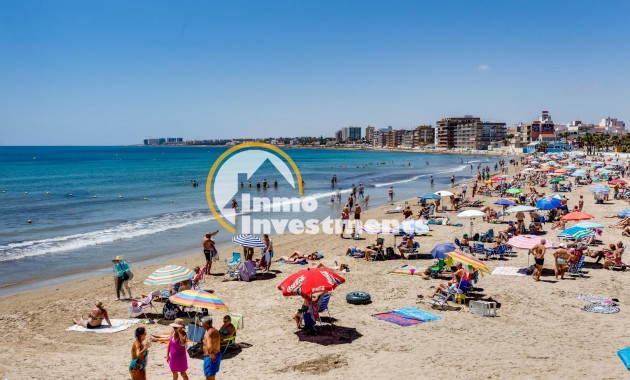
311	280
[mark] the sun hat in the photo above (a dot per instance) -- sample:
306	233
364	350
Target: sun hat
118	258
561	245
178	322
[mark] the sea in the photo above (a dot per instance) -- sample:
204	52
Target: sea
65	212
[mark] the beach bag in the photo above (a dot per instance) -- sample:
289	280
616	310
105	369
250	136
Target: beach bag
196	350
169	311
476	237
529	271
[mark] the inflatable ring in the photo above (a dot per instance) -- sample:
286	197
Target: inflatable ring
358	298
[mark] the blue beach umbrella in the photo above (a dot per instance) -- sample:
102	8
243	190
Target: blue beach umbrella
600	189
589	225
504	202
548	203
440	251
429	196
570	167
579	173
624	213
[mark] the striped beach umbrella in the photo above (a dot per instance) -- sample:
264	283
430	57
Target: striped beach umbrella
169	275
198	298
250	241
575	233
468	260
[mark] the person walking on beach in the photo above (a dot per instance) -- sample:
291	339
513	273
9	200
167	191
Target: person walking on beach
139	352
581	203
176	350
267	252
464	188
390	193
452	180
361	190
431	181
122	275
357	217
539	258
209	250
211	349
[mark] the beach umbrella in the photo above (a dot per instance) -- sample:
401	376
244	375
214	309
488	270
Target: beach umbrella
504	202
311	280
198	298
498	178
577	215
428	196
570	167
599	189
558	196
617	181
468	260
444	193
589	225
556	180
169	275
440	251
560	171
548	203
527	170
250	241
513	190
527	241
604	172
471	214
520	209
416	227
579	173
575	233
625	213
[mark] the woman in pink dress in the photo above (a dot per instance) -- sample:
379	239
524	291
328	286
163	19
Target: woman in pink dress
176	351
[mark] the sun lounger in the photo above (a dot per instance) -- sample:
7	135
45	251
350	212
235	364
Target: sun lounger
397	209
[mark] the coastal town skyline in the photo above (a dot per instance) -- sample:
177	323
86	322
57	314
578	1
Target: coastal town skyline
86	74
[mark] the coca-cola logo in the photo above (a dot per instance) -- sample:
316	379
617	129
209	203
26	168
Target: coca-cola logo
331	280
297	284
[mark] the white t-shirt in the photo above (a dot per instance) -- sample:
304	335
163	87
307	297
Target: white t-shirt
464	187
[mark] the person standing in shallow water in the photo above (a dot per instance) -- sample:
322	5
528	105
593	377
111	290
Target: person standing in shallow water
209	250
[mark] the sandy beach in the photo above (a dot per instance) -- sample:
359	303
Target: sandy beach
540	332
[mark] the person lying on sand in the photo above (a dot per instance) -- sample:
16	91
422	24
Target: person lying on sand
298	256
625	222
335	266
95	319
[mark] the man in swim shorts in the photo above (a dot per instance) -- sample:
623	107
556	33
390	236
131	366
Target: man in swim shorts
211	349
209	250
539	258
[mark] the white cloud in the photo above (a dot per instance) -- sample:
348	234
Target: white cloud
483	67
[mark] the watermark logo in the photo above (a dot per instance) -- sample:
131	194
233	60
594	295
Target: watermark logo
239	164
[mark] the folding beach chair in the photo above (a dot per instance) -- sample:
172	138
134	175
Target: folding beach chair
139	305
239	323
323	306
233	265
576	269
479	250
380	253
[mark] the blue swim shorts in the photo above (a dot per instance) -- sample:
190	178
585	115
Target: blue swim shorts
211	368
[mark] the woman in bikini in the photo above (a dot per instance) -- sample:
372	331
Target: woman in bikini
227	330
95	319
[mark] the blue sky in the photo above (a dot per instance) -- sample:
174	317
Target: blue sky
116	72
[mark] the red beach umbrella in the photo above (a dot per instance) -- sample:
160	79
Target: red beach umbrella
311	280
577	215
617	181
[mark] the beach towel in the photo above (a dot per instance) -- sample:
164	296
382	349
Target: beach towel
509	271
412	312
592	298
624	355
118	325
399	319
601	308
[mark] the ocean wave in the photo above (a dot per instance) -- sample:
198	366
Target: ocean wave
126	230
401	181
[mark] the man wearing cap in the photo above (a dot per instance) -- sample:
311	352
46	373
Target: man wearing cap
211	349
561	256
122	275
